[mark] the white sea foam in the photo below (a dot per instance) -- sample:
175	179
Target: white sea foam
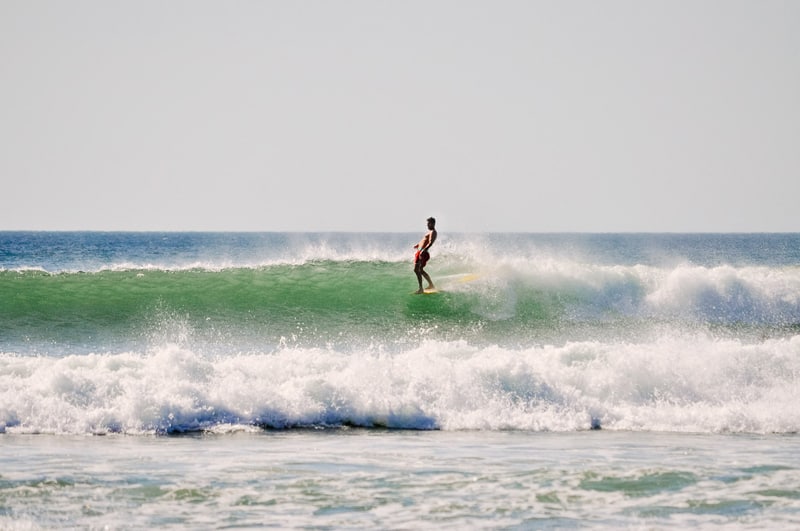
721	294
680	384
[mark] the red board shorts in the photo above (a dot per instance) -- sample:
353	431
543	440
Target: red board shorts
421	258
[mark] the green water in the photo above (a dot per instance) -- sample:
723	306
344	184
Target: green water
311	304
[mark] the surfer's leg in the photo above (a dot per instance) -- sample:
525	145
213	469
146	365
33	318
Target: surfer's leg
428	278
419	268
418	271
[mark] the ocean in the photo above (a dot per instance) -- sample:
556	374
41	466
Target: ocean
293	380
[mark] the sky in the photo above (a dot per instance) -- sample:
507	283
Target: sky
371	115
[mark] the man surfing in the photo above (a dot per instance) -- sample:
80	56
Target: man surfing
422	256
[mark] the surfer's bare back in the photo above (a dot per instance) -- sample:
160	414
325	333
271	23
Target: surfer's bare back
422	256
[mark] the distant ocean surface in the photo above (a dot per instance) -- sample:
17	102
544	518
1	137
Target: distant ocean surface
292	380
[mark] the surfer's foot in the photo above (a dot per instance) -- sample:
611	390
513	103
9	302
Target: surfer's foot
419	291
431	286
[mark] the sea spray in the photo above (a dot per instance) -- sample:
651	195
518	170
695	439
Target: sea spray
688	383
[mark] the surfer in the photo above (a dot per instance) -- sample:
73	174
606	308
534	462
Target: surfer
422	256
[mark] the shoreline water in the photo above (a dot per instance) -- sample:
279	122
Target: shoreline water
358	479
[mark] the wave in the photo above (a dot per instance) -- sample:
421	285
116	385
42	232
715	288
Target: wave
167	333
690	383
324	301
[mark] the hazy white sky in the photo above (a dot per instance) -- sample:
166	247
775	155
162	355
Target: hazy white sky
372	115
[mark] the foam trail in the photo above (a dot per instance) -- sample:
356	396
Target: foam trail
686	384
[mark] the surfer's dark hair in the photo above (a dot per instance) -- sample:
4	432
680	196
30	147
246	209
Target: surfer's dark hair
432	220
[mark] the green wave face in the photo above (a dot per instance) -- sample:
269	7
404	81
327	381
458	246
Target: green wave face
310	305
350	304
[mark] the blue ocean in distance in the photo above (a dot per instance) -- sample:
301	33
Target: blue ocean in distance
209	380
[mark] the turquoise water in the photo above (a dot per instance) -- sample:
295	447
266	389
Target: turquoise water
211	380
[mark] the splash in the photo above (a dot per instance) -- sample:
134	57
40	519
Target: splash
684	384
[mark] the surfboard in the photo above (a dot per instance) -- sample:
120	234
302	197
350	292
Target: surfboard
426	292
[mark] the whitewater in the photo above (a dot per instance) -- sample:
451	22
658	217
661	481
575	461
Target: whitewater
556	380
